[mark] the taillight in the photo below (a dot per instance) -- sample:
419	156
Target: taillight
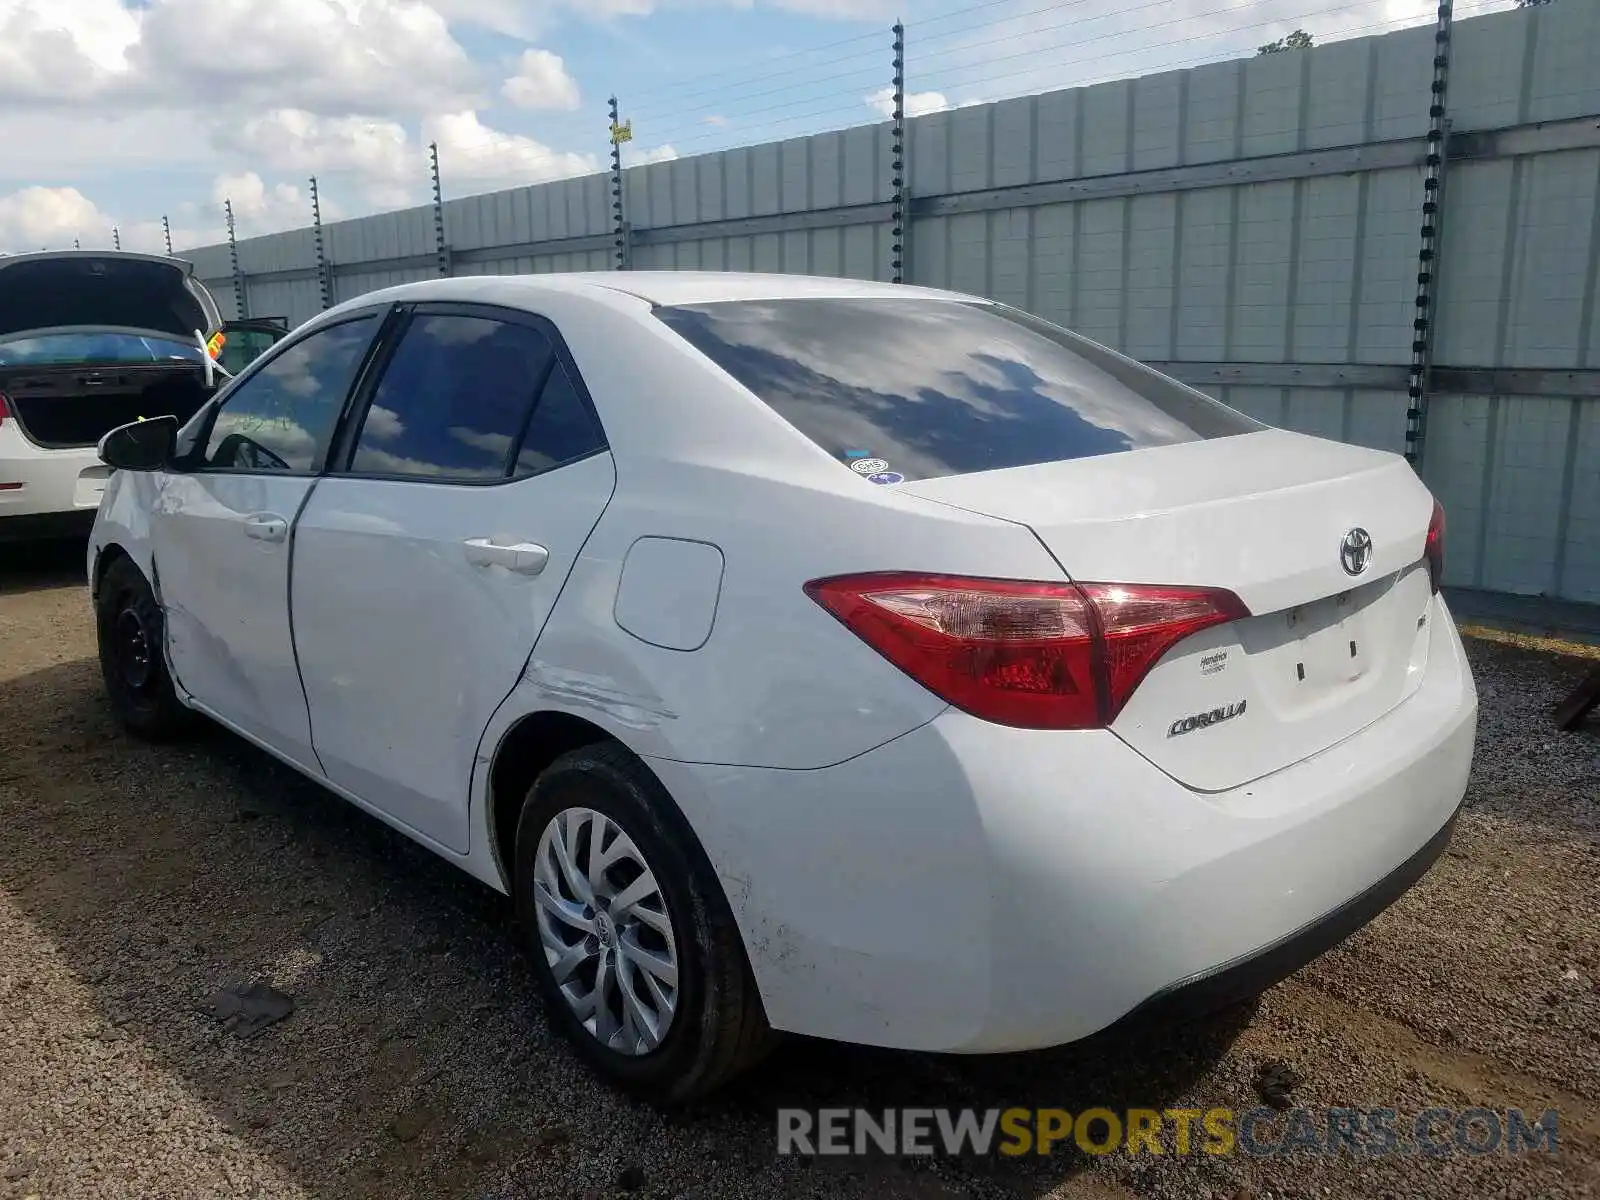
1033	655
1433	549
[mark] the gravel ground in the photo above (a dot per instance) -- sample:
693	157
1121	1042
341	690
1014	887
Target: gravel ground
136	880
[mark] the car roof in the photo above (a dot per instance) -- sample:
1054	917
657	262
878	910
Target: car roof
706	287
627	288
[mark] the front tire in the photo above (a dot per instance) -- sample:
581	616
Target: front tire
132	637
634	947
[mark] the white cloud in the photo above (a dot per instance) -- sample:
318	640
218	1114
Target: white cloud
642	157
382	423
918	104
53	218
472	154
844	10
260	207
36	218
291	139
541	81
327	56
54	52
514	18
529	21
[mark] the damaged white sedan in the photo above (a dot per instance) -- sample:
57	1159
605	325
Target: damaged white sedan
864	661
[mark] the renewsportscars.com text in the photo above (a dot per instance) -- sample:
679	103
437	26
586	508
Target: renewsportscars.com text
1256	1132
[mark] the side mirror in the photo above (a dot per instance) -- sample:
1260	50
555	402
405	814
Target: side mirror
140	446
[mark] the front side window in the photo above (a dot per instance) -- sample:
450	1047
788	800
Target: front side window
915	389
282	417
454	399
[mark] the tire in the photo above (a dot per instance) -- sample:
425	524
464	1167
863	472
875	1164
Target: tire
716	1027
141	692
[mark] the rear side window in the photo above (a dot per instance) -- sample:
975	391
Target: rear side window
915	389
562	428
454	399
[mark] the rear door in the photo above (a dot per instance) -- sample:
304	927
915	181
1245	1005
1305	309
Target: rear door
220	533
427	561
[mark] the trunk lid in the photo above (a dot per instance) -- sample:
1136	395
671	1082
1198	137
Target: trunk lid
1324	653
134	293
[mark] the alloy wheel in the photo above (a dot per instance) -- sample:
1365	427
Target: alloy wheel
605	931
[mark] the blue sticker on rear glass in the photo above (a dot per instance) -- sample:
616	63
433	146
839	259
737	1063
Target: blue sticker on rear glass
857	453
886	477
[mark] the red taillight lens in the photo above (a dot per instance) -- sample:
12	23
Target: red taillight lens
1034	655
1433	548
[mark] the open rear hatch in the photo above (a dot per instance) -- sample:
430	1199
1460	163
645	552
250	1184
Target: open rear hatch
1324	653
90	341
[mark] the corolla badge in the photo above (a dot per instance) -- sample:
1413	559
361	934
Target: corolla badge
1205	720
1355	551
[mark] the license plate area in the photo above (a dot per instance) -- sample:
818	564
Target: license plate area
1327	642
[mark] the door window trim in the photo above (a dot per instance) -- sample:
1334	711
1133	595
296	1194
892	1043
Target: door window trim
385	313
342	447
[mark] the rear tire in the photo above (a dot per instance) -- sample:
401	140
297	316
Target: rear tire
714	1026
132	635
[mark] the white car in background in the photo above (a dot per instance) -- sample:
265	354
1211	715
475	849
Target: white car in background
863	661
90	340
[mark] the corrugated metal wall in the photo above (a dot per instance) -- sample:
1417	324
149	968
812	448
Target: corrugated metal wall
1253	226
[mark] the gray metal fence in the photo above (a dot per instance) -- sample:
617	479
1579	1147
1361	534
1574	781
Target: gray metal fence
1251	226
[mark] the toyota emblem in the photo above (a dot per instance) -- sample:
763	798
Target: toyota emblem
1355	551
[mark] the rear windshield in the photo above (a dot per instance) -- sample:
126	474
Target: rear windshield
914	389
96	348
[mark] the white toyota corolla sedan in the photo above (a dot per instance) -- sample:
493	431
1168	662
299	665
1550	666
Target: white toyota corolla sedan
863	661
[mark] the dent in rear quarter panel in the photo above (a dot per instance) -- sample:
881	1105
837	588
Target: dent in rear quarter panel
778	682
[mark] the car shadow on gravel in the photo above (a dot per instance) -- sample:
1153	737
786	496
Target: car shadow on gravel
34	566
417	1062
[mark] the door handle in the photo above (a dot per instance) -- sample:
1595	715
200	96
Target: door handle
525	558
265	527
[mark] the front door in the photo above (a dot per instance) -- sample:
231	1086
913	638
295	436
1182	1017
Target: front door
426	565
221	534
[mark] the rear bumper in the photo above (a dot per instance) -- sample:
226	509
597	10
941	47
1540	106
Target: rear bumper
45	493
972	888
1255	972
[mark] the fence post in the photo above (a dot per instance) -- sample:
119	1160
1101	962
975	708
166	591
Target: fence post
897	150
619	133
446	267
316	233
241	302
1428	261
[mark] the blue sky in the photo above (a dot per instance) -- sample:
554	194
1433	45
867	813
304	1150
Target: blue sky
119	111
